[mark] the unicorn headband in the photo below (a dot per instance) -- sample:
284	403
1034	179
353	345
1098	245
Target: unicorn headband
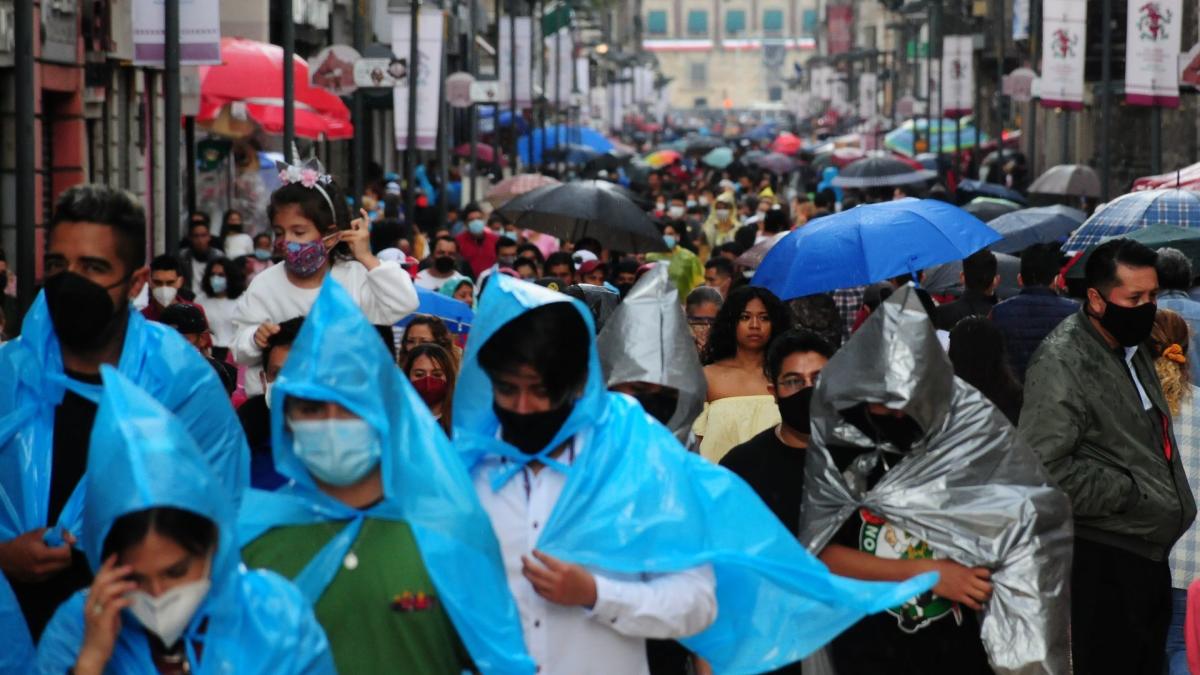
310	175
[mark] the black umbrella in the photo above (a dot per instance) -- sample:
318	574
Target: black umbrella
988	209
702	145
873	172
589	208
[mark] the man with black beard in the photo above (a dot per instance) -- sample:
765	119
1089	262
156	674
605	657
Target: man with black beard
773	461
49	385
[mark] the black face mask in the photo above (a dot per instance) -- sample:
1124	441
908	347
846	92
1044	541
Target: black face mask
531	432
660	405
81	310
443	264
794	410
624	289
1130	326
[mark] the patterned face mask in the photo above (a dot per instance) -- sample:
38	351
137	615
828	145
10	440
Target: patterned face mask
304	259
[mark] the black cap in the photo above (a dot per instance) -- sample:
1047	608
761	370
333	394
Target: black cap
185	318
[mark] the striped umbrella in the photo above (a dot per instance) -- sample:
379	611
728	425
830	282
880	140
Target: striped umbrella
1135	211
519	184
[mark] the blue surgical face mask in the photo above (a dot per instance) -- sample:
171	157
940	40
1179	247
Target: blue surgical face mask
669	240
476	226
219	284
262	253
337	452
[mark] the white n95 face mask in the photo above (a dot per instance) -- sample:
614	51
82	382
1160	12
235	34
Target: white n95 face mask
164	295
337	452
168	615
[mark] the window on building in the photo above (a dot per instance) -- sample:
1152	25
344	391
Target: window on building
735	21
775	93
697	23
656	22
808	23
698	74
773	21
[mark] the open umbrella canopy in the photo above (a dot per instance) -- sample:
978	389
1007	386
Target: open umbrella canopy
753	257
249	84
870	243
838	157
1187	177
943	137
988	209
1135	211
786	143
588	208
530	145
946	279
873	172
1070	180
483	153
700	145
1040	225
969	189
777	163
571	153
456	314
1186	240
718	158
661	158
517	185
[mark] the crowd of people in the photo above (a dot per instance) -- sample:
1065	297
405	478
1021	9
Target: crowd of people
355	444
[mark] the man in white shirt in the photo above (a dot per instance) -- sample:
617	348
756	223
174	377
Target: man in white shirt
576	619
443	263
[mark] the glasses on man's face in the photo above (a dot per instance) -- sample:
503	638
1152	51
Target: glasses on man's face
794	383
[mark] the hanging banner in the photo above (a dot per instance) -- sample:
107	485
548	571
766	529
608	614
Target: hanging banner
1020	19
428	75
582	78
524	28
1152	52
560	53
840	20
1064	26
958	75
199	34
868	89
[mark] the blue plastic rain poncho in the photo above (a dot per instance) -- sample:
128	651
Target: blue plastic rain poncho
142	457
339	357
32	384
636	502
827	177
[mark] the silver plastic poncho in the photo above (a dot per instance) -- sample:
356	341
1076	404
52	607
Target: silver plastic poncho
970	489
648	339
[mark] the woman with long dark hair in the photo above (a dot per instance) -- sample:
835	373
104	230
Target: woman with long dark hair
980	358
432	371
223	283
739	405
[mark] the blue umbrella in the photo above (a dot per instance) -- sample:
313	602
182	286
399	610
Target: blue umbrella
529	146
1137	210
969	189
1041	225
457	315
487	113
943	138
718	158
871	243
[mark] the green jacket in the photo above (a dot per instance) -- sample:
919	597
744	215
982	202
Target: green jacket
1083	416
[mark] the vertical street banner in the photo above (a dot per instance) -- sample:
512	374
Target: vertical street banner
1064	28
524	28
868	90
428	74
582	76
560	66
1020	19
840	21
958	75
1152	35
199	32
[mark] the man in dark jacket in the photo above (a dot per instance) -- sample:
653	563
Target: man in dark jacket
979	291
1095	413
1028	318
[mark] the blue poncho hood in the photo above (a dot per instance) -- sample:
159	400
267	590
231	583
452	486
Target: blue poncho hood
636	502
141	457
338	356
32	384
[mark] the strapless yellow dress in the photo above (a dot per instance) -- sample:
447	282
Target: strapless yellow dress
728	422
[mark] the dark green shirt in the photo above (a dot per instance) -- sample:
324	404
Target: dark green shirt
381	612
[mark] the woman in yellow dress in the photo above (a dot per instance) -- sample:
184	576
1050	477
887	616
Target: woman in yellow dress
739	405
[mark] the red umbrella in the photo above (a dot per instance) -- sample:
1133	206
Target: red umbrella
483	153
250	81
786	143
